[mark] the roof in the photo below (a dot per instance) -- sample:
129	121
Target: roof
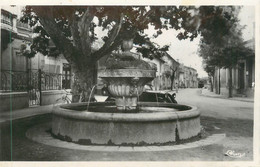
170	57
250	43
5	12
190	68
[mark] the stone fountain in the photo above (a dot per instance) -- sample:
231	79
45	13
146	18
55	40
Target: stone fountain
127	121
127	83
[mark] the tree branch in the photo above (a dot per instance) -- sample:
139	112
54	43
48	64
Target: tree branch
111	42
115	44
74	29
145	17
84	27
47	20
174	70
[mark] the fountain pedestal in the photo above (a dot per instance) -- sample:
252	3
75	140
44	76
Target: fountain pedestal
126	103
126	85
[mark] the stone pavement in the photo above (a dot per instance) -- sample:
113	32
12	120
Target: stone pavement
208	93
24	113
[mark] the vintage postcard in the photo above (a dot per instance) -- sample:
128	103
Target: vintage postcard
129	83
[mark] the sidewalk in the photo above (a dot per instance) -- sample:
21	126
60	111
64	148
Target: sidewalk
26	112
208	93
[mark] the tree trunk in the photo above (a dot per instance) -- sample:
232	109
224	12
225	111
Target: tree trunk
82	83
216	82
219	83
172	80
211	80
230	83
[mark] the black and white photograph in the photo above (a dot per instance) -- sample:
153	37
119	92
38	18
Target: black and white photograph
129	83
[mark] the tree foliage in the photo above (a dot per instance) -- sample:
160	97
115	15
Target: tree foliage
221	44
73	28
74	31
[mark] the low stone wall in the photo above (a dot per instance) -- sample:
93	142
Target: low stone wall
51	96
13	101
20	100
163	126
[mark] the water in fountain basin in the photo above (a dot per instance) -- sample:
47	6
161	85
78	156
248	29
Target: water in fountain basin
139	109
157	99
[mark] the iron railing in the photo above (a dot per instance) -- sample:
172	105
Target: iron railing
7	21
20	81
23	25
66	81
51	81
14	81
33	87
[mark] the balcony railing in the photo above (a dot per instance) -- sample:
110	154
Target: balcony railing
8	22
23	25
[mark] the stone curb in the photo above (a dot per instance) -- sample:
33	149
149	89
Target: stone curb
168	114
219	97
38	134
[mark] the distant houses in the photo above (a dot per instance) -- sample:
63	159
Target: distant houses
173	75
170	73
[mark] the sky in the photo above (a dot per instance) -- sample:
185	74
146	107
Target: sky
186	51
247	18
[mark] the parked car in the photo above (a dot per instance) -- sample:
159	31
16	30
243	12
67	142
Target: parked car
158	96
154	96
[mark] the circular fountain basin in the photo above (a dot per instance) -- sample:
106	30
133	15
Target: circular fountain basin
155	123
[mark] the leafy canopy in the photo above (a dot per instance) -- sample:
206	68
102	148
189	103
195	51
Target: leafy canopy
73	29
221	44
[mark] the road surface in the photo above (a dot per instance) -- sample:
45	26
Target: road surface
218	116
216	107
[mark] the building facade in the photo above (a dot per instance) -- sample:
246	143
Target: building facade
167	75
30	81
165	65
243	76
188	77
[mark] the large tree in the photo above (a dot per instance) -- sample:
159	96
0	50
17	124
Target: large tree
211	73
221	44
174	74
73	31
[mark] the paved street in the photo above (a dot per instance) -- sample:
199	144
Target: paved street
234	118
216	107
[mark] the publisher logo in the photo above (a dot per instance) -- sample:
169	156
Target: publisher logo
233	154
